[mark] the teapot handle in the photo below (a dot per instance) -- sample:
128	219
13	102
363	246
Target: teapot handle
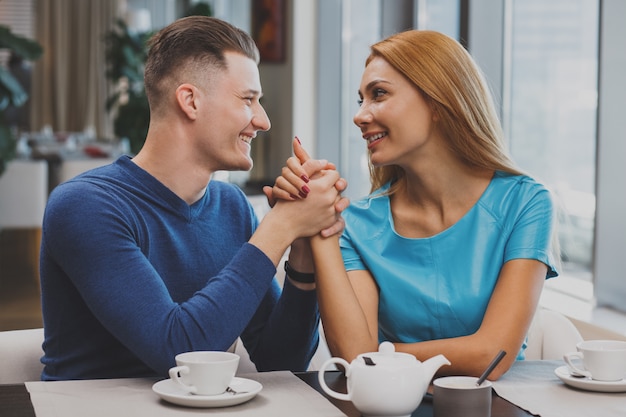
322	381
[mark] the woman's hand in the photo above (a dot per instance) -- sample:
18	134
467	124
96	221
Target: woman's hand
292	183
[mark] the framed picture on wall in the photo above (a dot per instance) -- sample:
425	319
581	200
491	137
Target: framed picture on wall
268	29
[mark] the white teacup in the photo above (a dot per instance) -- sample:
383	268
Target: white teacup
603	360
459	396
205	372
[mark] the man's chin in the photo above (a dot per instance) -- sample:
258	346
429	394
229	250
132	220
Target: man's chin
243	164
248	166
243	167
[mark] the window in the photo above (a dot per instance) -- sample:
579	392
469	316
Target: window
489	20
440	15
549	113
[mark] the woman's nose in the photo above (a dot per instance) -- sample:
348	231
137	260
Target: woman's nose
362	116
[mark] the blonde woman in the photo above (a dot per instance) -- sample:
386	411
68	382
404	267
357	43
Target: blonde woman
449	252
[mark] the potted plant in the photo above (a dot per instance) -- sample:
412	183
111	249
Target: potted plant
12	94
125	55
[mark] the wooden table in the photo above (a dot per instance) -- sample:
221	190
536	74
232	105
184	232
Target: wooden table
15	399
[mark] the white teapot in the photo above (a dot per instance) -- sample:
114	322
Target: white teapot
384	383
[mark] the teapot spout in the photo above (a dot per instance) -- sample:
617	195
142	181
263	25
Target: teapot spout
430	366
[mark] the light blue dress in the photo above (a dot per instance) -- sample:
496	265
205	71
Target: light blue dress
439	287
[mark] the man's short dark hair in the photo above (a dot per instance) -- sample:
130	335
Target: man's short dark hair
188	48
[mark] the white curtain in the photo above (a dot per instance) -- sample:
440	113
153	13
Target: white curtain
69	83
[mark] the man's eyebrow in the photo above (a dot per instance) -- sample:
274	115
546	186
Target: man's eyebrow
253	92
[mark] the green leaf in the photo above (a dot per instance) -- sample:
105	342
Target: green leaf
24	47
7	147
199	9
11	91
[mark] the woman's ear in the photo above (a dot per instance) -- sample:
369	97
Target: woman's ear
434	109
186	97
435	112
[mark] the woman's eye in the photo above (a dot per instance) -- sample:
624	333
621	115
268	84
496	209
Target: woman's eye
378	92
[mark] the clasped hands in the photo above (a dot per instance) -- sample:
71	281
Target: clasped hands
292	185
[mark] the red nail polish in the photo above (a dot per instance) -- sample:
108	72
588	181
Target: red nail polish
304	178
306	189
298	139
301	194
293	196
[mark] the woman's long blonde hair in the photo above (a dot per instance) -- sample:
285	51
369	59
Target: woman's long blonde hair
451	82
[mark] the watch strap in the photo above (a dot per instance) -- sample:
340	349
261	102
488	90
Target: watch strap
302	277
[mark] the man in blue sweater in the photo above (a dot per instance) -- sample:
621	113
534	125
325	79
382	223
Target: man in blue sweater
147	257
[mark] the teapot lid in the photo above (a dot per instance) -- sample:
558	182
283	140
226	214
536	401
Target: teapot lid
386	356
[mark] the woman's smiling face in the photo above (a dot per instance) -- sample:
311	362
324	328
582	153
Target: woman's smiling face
394	118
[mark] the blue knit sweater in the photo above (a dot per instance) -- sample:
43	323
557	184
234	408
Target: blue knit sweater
131	275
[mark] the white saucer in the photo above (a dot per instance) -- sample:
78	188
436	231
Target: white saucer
171	392
589	384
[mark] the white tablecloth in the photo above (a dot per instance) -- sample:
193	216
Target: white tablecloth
533	386
283	395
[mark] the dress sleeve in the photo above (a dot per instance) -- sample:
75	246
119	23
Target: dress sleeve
351	258
533	232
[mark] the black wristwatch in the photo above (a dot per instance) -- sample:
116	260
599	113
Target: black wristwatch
303	277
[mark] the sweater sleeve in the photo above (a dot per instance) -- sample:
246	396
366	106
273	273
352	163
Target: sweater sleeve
283	334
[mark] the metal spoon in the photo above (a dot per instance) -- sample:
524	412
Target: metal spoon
491	367
232	391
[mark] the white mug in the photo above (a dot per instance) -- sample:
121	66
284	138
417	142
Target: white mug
603	360
460	396
205	372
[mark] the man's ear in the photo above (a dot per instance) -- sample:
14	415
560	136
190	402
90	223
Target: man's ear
186	97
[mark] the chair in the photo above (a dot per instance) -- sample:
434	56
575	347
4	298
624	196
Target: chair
551	335
21	354
23	194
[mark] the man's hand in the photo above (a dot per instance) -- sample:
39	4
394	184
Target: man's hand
292	183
